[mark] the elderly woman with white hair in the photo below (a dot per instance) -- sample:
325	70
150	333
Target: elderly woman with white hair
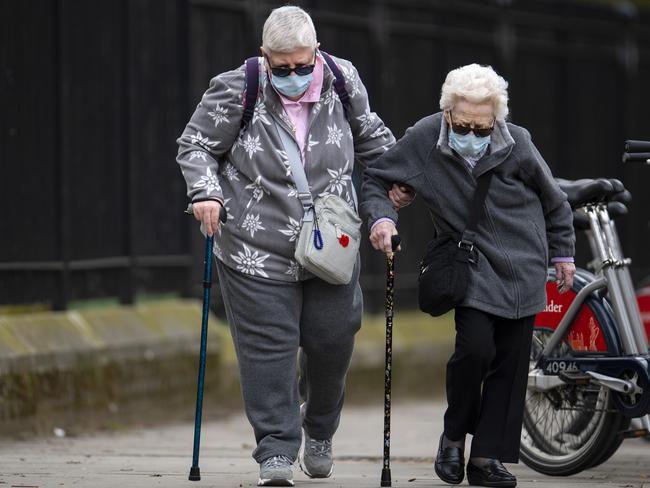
523	223
309	115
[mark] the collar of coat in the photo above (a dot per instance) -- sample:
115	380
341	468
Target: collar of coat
501	144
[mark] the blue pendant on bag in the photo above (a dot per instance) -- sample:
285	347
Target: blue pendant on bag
318	239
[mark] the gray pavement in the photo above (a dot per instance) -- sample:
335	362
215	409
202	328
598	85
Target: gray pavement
161	457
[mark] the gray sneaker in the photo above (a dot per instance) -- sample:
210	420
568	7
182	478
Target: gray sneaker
315	456
276	471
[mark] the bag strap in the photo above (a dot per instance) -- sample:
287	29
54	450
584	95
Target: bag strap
480	194
290	146
252	88
339	81
298	172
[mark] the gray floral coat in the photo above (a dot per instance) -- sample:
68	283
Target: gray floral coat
249	172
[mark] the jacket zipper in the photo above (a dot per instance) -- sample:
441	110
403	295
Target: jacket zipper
311	122
505	255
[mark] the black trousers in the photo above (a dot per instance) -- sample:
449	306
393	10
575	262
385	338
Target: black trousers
486	382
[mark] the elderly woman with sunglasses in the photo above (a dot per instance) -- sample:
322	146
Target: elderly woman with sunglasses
525	223
274	307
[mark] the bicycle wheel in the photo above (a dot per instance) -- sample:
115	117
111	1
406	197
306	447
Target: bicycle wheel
568	428
625	424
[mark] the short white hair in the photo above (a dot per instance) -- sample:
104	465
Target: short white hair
287	29
476	84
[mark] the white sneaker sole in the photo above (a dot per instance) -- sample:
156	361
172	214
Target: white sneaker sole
301	460
274	482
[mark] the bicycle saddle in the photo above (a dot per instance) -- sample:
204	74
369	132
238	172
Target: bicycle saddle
582	192
615	209
620	193
616	184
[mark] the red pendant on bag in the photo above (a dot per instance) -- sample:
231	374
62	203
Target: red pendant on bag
344	240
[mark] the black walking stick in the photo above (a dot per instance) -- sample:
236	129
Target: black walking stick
390	277
195	472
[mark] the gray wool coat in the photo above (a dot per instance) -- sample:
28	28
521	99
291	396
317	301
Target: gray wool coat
527	220
248	170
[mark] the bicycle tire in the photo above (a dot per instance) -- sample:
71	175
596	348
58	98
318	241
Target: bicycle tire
604	457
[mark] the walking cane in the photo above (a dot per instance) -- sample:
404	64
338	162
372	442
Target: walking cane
390	277
195	472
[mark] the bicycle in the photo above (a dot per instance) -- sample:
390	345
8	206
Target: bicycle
590	367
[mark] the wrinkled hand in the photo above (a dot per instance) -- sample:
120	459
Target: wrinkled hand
380	237
564	276
207	213
401	196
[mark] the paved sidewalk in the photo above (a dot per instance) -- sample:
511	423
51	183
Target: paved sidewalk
161	457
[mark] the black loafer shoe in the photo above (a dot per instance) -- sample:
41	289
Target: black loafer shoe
450	464
492	474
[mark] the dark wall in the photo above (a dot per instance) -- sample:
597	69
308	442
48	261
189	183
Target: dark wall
94	94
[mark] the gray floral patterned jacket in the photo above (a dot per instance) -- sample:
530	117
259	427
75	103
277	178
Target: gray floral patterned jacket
248	169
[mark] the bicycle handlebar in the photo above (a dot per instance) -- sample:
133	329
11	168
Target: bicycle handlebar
637	146
642	157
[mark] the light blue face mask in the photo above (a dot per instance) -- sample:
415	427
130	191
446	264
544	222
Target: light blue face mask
468	145
293	85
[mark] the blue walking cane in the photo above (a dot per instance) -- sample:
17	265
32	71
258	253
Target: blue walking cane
195	472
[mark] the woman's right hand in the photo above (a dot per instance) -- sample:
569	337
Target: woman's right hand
380	236
207	212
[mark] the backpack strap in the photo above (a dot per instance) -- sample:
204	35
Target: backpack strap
339	81
252	88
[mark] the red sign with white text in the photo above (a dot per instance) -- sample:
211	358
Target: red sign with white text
584	334
643	299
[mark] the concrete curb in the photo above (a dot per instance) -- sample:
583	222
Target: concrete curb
106	368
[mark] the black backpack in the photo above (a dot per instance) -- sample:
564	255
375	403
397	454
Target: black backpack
253	81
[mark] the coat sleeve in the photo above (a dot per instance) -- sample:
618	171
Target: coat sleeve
371	137
557	211
210	133
400	164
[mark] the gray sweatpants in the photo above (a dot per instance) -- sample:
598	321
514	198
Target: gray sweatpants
270	321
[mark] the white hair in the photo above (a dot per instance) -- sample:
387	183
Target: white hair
288	28
476	84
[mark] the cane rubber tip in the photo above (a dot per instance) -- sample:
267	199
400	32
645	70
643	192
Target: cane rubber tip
385	477
195	474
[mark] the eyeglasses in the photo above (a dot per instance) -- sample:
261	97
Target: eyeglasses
462	130
284	71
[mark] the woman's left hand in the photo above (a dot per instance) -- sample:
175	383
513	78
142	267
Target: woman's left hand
564	276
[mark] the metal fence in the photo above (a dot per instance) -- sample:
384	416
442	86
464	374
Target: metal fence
94	93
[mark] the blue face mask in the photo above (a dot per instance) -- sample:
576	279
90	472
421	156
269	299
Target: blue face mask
468	145
292	85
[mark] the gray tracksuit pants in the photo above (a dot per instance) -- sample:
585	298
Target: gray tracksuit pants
270	321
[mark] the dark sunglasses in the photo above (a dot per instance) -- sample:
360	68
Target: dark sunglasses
284	71
463	130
